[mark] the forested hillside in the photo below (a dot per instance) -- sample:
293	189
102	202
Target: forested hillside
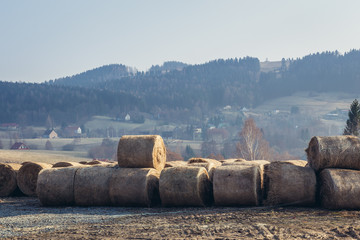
97	75
175	88
30	104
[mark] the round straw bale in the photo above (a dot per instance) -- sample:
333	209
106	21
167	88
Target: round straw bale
94	162
142	151
83	162
236	185
204	160
230	160
175	164
55	186
288	184
66	164
134	187
91	185
185	186
339	188
300	163
28	175
209	166
334	152
8	184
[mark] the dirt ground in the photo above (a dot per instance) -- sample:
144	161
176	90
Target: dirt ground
177	223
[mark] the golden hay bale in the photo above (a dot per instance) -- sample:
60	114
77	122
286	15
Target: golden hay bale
8	184
301	163
209	166
134	187
175	164
66	164
55	186
28	175
91	185
185	186
204	160
334	152
230	160
259	163
339	188
285	183
237	185
142	151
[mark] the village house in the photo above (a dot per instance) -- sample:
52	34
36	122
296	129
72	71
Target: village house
71	132
50	133
19	146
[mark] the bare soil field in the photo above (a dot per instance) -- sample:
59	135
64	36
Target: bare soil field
25	218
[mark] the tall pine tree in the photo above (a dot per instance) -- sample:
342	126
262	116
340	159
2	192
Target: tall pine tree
352	124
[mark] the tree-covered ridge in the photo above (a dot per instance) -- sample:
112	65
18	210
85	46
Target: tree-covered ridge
94	76
320	72
214	84
30	104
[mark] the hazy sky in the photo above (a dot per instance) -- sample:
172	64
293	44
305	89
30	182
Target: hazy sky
43	39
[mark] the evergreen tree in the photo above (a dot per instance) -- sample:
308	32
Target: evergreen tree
189	152
352	124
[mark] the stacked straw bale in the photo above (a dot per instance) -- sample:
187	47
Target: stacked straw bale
28	175
142	151
91	185
8	183
334	152
289	184
209	164
185	186
237	185
175	164
134	187
66	164
339	188
55	186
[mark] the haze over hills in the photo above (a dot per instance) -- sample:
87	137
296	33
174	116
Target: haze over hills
177	91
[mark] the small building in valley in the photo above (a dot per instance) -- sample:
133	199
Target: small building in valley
19	146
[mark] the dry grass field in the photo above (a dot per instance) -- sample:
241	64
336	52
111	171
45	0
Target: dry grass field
20	156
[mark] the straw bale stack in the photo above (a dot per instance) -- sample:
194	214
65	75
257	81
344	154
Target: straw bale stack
334	152
175	164
55	186
339	188
185	186
8	183
28	175
142	151
237	185
289	184
66	164
134	187
91	185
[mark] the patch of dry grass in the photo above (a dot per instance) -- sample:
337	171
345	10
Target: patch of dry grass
20	156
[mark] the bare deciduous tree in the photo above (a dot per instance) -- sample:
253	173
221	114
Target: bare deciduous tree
252	145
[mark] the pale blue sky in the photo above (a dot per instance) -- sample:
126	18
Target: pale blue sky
45	39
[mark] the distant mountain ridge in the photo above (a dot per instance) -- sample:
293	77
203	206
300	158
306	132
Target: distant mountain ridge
97	75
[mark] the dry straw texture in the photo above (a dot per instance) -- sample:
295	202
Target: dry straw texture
91	185
204	160
334	152
55	186
8	184
175	164
339	188
134	187
66	164
142	151
289	184
236	185
28	175
185	186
